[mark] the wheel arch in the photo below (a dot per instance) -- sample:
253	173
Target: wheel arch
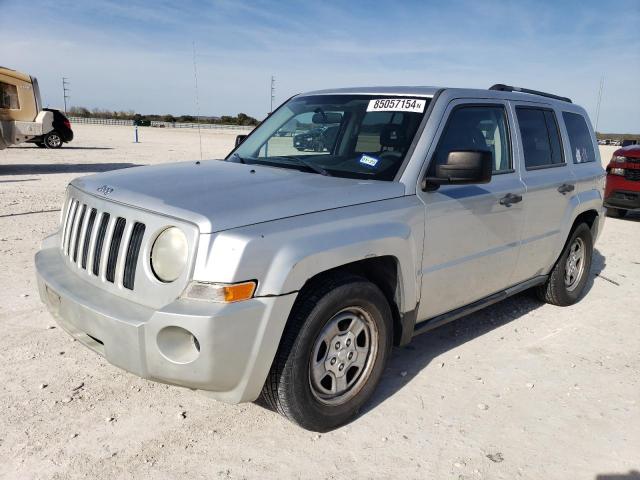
384	272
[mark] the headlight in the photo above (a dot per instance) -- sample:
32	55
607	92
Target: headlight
618	159
169	254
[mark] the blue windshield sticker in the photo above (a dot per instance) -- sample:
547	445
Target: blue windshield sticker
369	161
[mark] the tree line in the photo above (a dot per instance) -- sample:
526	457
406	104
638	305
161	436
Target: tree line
239	119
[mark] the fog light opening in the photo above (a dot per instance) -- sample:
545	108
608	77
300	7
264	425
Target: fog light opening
178	345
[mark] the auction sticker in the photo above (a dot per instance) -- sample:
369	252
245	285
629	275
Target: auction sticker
397	105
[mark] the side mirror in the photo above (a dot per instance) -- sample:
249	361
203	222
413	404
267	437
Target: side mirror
463	167
240	139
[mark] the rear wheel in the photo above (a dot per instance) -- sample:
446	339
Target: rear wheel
571	272
332	353
52	140
616	212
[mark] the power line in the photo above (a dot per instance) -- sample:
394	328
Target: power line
65	91
195	76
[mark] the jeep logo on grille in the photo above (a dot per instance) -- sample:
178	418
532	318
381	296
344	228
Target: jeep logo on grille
105	189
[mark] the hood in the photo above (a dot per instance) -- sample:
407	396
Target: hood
632	151
218	195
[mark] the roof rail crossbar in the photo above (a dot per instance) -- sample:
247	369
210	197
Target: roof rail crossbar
509	88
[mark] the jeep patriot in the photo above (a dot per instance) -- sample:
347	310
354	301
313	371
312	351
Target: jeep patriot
285	275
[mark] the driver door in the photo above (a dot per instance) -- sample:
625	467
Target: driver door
472	237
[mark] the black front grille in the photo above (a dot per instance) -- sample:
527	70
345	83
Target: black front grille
76	244
88	234
70	223
132	255
114	249
97	254
87	237
632	174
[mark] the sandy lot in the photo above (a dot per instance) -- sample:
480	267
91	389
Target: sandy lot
561	386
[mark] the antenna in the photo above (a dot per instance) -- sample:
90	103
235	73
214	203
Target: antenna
273	92
599	100
195	76
65	91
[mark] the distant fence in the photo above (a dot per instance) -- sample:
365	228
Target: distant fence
209	126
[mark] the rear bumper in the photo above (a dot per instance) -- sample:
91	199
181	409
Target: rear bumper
235	344
66	135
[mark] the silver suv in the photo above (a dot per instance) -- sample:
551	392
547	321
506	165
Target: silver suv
286	275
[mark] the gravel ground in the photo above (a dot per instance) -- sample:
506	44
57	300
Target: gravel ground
518	390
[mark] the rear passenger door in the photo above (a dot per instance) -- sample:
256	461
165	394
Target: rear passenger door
472	232
550	188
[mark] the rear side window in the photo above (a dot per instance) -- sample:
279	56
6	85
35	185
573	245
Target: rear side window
540	137
9	96
579	138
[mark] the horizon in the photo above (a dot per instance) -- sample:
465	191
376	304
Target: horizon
139	55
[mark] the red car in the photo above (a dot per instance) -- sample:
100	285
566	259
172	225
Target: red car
622	193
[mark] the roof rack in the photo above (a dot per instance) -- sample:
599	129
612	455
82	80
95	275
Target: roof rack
509	88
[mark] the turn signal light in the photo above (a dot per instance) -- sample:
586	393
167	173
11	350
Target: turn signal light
220	292
617	171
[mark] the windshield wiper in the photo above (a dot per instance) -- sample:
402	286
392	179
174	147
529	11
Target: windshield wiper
308	164
242	160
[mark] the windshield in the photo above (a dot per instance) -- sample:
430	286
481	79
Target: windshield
355	136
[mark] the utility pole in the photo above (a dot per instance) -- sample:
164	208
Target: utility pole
599	100
273	92
195	78
65	92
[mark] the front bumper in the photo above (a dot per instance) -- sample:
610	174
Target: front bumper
624	199
621	192
235	344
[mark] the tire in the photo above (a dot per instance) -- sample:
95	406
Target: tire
52	140
563	288
318	332
616	213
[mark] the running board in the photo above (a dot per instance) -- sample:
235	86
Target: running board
440	320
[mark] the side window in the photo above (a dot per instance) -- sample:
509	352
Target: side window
476	128
579	138
540	137
9	96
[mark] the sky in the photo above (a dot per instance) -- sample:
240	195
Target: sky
138	54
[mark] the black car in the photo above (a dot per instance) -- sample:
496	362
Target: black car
317	139
60	134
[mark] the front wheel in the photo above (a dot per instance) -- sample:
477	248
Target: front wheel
332	353
571	272
52	140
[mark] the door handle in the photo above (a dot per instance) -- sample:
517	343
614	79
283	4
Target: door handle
509	199
566	188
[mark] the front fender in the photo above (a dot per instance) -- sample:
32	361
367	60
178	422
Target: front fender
283	254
